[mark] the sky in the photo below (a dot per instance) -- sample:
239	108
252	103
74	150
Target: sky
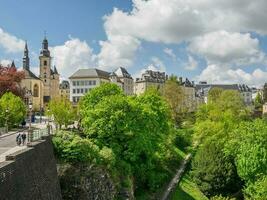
222	41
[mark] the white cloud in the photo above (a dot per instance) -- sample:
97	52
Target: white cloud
72	55
176	21
170	53
158	64
226	47
191	64
11	43
155	65
5	62
222	74
117	51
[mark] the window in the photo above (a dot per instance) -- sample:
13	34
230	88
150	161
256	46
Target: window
73	91
45	63
86	90
74	83
82	91
78	91
35	90
82	83
74	99
94	83
78	83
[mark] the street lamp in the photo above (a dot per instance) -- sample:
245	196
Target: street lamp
30	114
7	111
30	122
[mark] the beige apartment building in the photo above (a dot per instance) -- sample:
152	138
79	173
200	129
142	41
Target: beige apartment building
64	90
126	79
150	79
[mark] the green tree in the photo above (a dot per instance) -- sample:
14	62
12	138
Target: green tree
258	102
175	97
223	115
214	94
12	110
251	154
257	190
213	171
264	95
136	130
62	112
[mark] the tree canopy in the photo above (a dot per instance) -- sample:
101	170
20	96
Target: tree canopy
133	136
10	80
62	111
12	110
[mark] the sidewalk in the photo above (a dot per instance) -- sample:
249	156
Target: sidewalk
10	133
10	151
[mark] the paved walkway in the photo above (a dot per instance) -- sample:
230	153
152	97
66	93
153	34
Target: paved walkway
9	151
176	179
8	145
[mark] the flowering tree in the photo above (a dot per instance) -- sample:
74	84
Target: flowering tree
10	79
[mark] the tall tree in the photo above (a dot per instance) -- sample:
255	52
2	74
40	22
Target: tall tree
12	110
10	80
258	101
265	93
214	172
214	94
62	111
175	97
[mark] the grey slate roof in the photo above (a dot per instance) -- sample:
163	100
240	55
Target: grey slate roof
64	85
121	72
90	73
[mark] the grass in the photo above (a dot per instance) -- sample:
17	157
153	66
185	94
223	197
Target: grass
187	190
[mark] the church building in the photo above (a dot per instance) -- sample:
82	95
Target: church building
40	90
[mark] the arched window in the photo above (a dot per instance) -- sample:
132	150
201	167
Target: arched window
35	90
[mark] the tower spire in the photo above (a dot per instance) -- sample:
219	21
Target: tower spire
26	59
45	51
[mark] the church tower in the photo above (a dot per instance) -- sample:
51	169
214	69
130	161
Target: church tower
45	70
26	59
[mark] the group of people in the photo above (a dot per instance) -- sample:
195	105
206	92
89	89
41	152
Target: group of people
21	138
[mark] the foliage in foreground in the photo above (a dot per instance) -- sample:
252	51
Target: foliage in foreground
214	172
132	136
12	110
62	111
226	120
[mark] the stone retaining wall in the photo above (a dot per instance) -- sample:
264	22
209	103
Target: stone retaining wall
30	174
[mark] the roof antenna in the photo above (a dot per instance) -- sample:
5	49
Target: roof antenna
45	33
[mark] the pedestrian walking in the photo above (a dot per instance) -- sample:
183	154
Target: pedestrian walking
23	136
18	139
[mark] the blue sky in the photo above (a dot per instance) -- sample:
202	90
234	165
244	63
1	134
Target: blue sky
217	42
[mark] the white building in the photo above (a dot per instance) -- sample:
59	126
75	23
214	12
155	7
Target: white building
83	80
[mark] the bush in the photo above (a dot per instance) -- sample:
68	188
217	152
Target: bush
183	138
213	172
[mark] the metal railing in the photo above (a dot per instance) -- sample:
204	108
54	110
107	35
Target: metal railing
38	134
